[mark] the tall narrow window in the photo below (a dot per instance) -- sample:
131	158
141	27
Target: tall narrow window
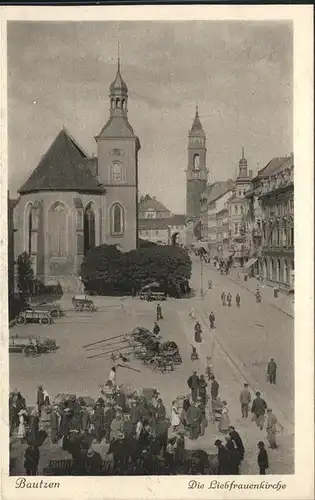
117	171
30	227
117	219
196	162
89	228
58	231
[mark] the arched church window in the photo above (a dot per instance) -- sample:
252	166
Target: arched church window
117	171
89	228
123	104
29	226
58	230
196	162
117	219
117	103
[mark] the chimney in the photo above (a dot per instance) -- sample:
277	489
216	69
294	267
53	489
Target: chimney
250	173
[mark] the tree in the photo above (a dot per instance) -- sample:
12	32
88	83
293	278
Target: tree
25	273
106	270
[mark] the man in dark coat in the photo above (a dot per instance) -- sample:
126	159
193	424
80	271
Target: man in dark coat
203	389
120	400
212	320
54	422
233	456
84	419
223	458
156	328
272	371
119	448
93	463
109	416
238	441
194	416
214	388
40	398
158	312
31	459
160	411
193	384
259	407
98	421
262	458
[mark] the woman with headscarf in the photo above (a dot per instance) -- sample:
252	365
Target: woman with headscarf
271	428
32	437
21	434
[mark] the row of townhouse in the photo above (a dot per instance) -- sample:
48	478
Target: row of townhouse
252	219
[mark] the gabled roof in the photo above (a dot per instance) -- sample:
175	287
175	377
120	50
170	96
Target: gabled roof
218	189
62	168
176	220
152	204
147	224
272	166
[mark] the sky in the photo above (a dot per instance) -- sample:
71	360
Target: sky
239	73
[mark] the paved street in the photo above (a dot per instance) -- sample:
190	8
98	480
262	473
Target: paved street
239	347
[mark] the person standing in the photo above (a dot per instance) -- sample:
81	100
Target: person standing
31	459
203	389
233	456
258	409
40	398
271	428
175	417
224	421
238	441
194	418
212	320
159	312
21	434
203	420
223	298
193	384
156	328
272	371
229	299
54	424
113	376
209	368
214	388
245	399
223	458
262	458
238	300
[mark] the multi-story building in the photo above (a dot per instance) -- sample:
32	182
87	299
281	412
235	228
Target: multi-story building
213	200
158	224
277	206
238	208
222	235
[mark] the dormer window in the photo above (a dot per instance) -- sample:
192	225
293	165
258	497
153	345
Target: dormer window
196	162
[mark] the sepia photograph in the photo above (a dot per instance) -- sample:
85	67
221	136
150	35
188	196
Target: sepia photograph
151	248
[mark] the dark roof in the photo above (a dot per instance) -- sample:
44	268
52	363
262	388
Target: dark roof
118	84
272	166
218	189
117	126
12	202
152	204
176	220
62	168
147	224
196	128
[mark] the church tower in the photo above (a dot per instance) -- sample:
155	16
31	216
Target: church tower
118	149
196	173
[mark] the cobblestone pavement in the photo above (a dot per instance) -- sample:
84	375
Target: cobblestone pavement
69	370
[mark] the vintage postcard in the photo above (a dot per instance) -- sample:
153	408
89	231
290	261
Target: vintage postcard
157	252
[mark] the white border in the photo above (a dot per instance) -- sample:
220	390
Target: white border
299	485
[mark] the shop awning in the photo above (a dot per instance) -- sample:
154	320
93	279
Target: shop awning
250	263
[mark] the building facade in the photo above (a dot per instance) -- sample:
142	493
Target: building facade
72	202
222	232
238	208
277	206
196	179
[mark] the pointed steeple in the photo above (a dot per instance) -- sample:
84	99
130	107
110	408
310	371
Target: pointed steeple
118	93
118	85
196	128
242	164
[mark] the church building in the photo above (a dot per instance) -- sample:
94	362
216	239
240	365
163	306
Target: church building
72	202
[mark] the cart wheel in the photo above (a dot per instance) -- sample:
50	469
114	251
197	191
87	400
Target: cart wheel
21	320
44	320
54	313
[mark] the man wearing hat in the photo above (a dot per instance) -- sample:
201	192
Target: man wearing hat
118	447
259	407
262	458
245	399
93	463
193	384
223	458
40	398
